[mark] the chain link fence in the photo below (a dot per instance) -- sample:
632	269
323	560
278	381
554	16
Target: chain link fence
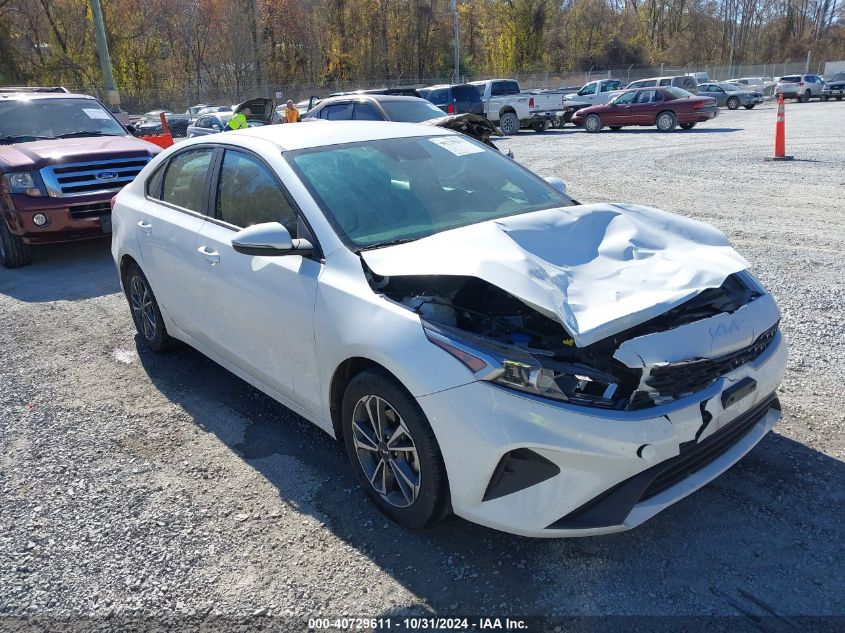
177	99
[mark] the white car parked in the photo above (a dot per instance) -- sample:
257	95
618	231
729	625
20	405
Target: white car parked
479	341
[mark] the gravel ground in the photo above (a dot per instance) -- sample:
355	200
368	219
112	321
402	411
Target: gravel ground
142	485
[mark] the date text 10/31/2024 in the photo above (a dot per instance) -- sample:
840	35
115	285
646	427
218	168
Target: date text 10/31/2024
417	624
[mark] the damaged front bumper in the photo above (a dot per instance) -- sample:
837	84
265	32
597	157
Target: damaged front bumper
531	466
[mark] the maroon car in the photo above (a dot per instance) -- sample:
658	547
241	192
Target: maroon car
664	107
62	158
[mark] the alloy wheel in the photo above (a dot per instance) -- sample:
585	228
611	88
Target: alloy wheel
386	451
142	307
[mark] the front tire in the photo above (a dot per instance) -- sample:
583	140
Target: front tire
393	451
145	311
688	125
733	103
666	121
509	123
593	123
750	107
14	253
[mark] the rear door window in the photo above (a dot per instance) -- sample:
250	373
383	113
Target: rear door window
185	179
337	111
366	111
645	96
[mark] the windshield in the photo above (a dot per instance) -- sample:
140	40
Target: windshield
411	111
395	190
23	120
838	77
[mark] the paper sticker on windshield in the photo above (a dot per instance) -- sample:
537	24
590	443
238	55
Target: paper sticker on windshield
456	145
94	113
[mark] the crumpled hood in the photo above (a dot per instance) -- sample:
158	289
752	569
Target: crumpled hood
598	269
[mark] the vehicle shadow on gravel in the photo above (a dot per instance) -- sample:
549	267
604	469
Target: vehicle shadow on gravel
63	272
740	546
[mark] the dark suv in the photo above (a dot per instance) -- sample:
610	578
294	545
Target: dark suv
62	158
454	99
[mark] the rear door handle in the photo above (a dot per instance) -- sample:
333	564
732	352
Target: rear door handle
213	257
146	227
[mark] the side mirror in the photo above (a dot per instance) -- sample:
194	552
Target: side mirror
557	183
215	127
269	239
132	129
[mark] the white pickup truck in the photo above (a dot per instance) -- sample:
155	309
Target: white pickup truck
511	109
597	92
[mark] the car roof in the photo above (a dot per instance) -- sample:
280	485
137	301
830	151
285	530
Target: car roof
374	97
316	133
29	96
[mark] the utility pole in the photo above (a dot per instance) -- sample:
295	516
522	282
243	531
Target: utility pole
112	97
807	65
457	43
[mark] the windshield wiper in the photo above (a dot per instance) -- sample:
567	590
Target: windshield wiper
401	240
24	138
84	133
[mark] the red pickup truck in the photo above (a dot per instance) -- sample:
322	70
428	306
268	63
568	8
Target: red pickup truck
62	158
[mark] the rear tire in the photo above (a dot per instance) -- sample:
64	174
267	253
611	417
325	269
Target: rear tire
557	122
509	123
593	123
824	98
408	485
805	98
733	103
688	125
666	121
615	128
13	252
145	311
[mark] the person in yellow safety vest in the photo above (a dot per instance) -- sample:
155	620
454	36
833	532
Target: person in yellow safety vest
291	113
238	121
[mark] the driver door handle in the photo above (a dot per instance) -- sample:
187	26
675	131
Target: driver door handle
213	257
146	227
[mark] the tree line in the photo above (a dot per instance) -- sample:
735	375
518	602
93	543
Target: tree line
232	44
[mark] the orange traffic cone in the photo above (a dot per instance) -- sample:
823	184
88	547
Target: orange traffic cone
780	133
163	140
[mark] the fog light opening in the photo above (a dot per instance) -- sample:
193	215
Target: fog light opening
40	219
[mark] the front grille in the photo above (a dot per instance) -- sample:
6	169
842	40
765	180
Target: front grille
677	379
80	179
90	210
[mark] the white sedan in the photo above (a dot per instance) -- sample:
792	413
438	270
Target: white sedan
480	342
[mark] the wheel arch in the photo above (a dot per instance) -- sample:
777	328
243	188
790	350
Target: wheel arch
125	262
342	376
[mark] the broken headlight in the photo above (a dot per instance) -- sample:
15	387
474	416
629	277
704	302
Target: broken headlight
527	370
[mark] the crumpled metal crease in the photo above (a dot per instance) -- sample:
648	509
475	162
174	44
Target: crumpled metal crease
598	269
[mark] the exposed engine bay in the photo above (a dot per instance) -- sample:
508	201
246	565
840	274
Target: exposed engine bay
486	317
